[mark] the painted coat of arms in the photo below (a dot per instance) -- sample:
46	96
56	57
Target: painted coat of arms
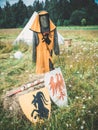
54	81
36	105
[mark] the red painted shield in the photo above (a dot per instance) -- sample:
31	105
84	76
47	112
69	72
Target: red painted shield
54	81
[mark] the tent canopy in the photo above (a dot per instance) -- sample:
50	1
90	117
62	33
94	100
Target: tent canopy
26	35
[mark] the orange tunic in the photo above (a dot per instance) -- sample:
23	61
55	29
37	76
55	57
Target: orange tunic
43	54
43	49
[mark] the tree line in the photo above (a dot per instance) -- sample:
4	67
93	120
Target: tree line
62	12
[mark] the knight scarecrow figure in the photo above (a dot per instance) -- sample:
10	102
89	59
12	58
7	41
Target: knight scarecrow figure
45	41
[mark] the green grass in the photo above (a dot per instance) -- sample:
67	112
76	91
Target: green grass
79	65
78	27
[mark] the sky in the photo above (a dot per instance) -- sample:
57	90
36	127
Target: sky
96	1
26	2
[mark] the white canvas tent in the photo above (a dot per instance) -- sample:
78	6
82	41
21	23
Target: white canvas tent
26	35
60	38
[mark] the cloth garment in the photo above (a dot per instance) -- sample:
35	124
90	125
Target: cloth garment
45	41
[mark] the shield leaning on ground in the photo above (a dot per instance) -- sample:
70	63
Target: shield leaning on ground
54	81
36	105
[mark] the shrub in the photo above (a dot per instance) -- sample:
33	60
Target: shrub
58	23
66	22
83	22
77	16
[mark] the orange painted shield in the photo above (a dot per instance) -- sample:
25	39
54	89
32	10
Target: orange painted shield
36	105
54	81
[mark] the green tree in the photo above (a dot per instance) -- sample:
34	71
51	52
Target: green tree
47	5
30	11
77	16
92	11
21	13
95	15
8	20
58	23
58	10
66	22
1	17
78	4
53	11
62	12
37	6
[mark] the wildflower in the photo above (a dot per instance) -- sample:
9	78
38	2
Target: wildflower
70	85
61	52
84	107
84	98
91	48
77	60
2	73
11	57
71	66
95	112
68	56
83	122
77	97
81	76
18	55
82	127
96	55
89	111
76	57
89	97
10	108
67	106
82	111
85	49
78	119
82	46
67	125
30	75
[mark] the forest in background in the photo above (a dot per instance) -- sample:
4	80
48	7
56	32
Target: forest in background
62	12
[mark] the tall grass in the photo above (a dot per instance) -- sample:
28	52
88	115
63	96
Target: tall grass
79	65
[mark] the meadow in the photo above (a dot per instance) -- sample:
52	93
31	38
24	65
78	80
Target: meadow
79	65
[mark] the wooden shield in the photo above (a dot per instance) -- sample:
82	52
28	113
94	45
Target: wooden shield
54	81
36	105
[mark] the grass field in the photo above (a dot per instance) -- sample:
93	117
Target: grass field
79	65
